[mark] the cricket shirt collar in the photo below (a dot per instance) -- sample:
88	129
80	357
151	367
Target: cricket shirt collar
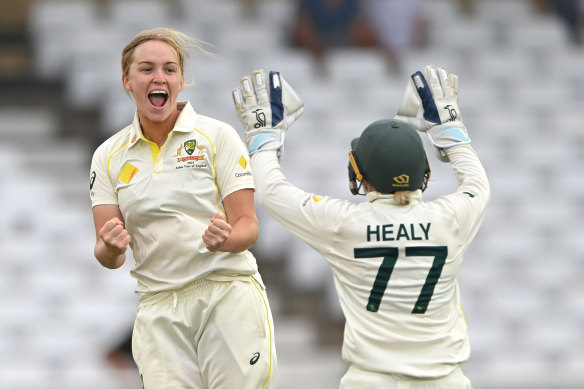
184	123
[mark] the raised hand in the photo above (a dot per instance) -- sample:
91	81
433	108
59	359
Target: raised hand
430	104
266	109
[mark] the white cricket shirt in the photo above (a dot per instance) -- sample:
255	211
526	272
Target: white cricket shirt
167	197
395	267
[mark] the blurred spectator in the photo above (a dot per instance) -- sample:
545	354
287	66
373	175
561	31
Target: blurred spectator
250	8
15	60
120	359
323	24
466	7
569	12
120	356
398	25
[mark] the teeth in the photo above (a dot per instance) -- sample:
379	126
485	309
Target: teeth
158	92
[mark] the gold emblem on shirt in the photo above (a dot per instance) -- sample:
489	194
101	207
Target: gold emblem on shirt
128	172
243	162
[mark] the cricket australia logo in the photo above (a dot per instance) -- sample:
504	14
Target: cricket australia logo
195	157
190	146
260	117
452	112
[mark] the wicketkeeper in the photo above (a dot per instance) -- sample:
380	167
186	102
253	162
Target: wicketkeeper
395	258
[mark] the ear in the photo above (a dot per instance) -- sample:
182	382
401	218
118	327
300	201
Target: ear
367	187
126	83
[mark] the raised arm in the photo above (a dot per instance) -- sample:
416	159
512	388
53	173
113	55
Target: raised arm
431	105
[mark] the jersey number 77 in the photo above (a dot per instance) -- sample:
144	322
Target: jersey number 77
390	256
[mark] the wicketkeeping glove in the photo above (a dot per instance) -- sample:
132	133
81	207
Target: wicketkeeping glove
431	105
266	111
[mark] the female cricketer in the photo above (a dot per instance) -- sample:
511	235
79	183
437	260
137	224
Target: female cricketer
176	186
394	258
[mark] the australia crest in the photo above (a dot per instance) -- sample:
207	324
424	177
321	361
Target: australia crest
190	146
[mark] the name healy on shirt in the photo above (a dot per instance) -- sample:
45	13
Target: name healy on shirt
393	232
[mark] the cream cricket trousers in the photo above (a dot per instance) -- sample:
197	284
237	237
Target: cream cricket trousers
356	378
207	335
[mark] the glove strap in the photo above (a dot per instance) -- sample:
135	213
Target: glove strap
266	140
444	137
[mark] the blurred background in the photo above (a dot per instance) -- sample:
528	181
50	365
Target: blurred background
64	320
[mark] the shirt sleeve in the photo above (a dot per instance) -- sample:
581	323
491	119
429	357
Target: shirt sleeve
470	200
232	163
314	219
101	189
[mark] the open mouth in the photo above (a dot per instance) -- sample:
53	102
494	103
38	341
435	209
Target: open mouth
158	98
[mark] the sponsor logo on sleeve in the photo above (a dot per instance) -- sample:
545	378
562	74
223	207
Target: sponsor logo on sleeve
92	180
243	163
313	198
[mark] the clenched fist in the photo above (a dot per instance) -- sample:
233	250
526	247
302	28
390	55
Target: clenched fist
114	236
217	233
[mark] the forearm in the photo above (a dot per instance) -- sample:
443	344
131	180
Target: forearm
468	170
273	191
284	201
312	218
108	257
244	234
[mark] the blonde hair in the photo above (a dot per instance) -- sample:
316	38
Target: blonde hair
180	42
403	197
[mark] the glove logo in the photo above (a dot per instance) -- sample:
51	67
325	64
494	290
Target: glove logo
260	117
452	112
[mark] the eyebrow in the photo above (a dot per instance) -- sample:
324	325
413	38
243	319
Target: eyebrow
152	63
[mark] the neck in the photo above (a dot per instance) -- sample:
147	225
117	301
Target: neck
157	132
158	138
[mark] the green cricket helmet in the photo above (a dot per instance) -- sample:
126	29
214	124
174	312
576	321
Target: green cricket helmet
390	155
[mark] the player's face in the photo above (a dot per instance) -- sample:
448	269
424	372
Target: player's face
155	79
